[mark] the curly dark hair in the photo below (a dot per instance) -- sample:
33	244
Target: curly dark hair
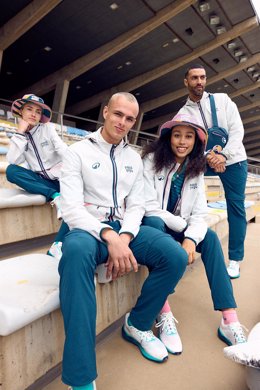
163	156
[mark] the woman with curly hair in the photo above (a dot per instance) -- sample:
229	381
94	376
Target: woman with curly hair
175	197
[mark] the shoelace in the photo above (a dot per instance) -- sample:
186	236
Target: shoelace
167	322
146	335
239	334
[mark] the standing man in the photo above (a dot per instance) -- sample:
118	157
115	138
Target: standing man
230	164
102	201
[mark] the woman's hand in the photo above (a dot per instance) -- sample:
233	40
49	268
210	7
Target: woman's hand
190	248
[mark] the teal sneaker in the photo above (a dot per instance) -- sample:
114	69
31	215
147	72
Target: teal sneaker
55	250
90	386
233	269
150	346
232	334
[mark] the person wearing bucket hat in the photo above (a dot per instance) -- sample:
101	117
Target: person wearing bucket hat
36	150
174	189
229	163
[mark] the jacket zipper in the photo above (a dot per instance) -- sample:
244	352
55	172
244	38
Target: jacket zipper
114	184
165	186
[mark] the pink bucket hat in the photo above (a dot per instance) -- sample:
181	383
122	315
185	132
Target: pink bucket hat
31	98
186	120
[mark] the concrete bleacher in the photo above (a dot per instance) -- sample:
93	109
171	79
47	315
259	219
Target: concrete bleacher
28	326
44	330
215	191
30	320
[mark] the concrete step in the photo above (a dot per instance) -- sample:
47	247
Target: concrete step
202	365
113	301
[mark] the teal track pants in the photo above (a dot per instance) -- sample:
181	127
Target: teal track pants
166	261
213	260
31	181
234	183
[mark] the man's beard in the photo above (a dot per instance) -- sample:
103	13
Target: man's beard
197	92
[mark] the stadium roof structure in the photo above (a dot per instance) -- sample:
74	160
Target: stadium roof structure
75	54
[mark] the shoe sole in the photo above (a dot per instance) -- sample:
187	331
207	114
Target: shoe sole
234	277
126	336
173	353
224	338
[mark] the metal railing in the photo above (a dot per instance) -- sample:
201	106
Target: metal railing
142	139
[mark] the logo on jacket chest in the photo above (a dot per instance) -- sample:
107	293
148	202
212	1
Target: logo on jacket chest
96	165
44	143
129	168
193	186
161	177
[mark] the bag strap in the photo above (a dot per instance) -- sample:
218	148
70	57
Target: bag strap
44	173
213	111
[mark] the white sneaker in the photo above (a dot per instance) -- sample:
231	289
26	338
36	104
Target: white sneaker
233	269
150	346
56	202
55	250
168	333
232	334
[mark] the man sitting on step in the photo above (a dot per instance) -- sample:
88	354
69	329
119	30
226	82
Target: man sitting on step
102	201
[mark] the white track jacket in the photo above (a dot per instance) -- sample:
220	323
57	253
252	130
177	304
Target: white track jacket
192	208
102	182
47	148
228	117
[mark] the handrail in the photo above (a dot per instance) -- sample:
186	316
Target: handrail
251	167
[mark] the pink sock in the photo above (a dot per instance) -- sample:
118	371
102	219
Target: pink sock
166	308
229	316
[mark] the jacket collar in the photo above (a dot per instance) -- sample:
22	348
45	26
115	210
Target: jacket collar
96	136
191	102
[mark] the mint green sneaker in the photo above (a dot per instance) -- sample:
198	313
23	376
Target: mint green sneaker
90	386
55	250
150	346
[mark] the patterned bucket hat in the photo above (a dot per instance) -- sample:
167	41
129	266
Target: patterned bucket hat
31	98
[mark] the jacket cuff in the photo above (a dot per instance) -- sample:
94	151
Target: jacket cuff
23	135
130	234
189	238
100	234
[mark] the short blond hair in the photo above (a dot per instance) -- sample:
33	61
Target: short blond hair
127	95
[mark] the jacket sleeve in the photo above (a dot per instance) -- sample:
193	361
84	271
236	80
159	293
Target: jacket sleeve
18	145
235	129
152	205
197	225
59	146
134	205
74	212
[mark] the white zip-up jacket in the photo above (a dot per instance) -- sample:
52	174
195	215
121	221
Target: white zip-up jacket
228	118
191	211
102	182
49	150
